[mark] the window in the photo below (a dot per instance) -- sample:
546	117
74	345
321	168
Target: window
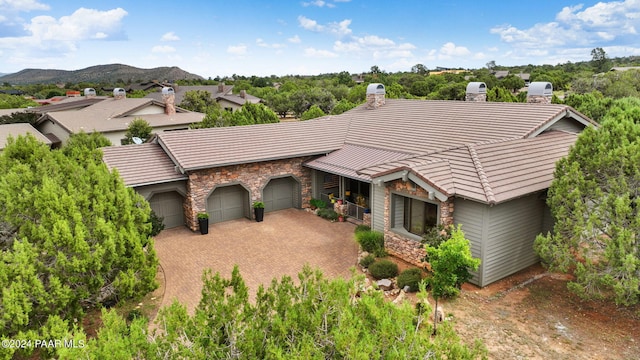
414	215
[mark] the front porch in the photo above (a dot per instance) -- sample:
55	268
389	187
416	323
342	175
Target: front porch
347	196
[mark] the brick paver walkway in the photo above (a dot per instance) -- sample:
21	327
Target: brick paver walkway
280	245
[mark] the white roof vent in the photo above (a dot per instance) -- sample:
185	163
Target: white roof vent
168	91
89	92
119	93
476	88
540	88
375	88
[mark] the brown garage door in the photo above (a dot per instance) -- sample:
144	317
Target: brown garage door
169	206
280	194
228	203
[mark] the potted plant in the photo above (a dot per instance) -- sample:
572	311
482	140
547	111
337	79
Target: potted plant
258	210
342	217
203	222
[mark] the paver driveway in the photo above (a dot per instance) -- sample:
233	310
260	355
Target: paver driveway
280	245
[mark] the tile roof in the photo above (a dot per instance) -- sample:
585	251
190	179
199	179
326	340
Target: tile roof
490	172
150	165
238	99
116	114
213	147
15	130
351	158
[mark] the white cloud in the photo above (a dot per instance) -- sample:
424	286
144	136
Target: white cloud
170	36
318	3
237	50
576	25
262	43
163	49
311	52
82	24
294	40
337	28
450	49
22	5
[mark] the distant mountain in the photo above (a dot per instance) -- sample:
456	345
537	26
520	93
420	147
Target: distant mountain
111	73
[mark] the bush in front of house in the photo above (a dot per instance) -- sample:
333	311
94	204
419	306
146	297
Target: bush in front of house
367	260
370	241
383	269
362	227
328	214
157	223
410	277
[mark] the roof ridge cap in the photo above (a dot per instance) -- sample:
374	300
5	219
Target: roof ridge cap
484	181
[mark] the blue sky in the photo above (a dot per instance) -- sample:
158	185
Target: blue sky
212	37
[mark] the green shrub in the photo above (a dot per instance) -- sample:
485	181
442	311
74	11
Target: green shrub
367	260
157	223
320	204
370	241
328	214
410	277
362	227
383	269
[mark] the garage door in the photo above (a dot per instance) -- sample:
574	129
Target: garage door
169	206
280	194
227	203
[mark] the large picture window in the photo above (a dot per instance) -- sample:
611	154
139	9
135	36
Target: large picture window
418	216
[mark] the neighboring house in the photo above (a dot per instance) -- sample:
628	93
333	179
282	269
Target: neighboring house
624	68
223	94
112	116
399	165
19	129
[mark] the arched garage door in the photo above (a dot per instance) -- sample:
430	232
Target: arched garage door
281	193
228	203
169	206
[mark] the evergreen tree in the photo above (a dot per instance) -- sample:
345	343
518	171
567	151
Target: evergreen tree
595	199
313	112
139	128
73	237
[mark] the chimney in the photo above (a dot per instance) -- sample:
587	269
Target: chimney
540	92
169	99
119	93
221	87
476	92
243	94
375	96
89	92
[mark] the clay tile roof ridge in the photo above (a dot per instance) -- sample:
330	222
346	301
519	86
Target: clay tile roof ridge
484	180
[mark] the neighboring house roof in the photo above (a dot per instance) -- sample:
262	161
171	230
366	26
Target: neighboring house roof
624	68
180	91
73	103
240	99
214	147
15	130
6	112
501	74
115	115
151	165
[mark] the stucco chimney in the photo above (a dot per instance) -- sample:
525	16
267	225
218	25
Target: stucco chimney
169	98
221	87
540	92
119	93
375	95
476	91
243	94
89	92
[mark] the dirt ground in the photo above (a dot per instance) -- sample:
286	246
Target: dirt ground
532	315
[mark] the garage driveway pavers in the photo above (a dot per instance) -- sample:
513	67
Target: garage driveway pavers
280	245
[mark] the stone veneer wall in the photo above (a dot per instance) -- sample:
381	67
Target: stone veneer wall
408	249
253	176
539	99
475	97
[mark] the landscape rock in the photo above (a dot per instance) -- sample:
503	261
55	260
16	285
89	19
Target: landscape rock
385	284
400	297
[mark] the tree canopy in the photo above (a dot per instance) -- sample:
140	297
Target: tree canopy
595	199
312	318
72	236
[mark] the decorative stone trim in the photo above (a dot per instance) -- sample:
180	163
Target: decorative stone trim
404	247
252	176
